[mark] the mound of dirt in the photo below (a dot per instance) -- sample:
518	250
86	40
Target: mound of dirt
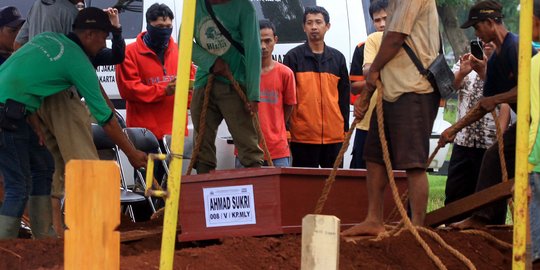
277	252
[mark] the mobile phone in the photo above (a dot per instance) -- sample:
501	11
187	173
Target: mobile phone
477	49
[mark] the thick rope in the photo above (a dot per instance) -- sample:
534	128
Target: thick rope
395	213
452	250
332	178
432	157
489	237
395	194
396	230
405	196
202	126
393	187
262	140
243	97
390	231
500	142
502	158
364	100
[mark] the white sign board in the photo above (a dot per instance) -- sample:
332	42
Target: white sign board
229	206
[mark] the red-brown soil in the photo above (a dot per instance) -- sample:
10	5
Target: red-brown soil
276	252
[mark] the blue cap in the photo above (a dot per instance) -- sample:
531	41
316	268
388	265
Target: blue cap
10	16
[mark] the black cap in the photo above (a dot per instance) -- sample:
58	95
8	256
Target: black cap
482	11
93	18
10	16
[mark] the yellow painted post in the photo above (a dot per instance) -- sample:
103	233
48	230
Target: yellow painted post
149	175
179	124
521	178
149	191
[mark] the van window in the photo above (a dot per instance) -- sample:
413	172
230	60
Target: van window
286	15
22	6
131	14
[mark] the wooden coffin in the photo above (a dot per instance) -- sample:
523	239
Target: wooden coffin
269	201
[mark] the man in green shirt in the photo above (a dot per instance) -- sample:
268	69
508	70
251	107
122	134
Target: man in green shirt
48	64
238	55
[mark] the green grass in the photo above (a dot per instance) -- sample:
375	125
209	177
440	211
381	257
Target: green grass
450	111
437	184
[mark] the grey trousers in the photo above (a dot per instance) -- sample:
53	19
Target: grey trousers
224	103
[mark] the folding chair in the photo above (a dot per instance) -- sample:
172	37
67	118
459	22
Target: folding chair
107	150
120	118
188	150
188	146
144	140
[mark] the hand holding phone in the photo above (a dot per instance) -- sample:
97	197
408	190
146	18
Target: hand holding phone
477	49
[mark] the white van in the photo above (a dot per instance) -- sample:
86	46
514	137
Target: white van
348	27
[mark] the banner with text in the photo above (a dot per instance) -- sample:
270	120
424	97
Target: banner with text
229	206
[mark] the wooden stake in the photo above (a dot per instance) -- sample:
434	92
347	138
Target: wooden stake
92	215
320	242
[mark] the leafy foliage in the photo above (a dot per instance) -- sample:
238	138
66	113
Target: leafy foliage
510	11
455	2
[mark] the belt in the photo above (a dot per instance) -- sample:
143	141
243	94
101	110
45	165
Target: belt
14	109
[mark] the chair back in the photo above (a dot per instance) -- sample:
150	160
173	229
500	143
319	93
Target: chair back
188	145
101	140
104	145
143	139
107	150
120	119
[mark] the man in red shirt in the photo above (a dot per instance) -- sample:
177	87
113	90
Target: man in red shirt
277	98
146	77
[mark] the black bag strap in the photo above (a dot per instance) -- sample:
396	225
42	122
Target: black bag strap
223	30
415	59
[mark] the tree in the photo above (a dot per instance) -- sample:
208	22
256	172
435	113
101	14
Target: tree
453	33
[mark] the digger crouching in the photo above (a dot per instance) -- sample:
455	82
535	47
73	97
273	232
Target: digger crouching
46	65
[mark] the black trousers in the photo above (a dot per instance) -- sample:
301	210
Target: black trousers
357	161
315	155
490	174
463	172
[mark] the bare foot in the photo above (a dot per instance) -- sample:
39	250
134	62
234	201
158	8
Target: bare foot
363	229
469	223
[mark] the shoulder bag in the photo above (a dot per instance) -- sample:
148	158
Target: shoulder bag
439	74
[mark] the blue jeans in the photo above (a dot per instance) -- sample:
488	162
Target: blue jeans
15	165
41	167
357	160
278	162
534	214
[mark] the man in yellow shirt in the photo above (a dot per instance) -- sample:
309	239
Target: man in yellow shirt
377	12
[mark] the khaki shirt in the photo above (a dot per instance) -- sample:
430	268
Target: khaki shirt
418	19
373	43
